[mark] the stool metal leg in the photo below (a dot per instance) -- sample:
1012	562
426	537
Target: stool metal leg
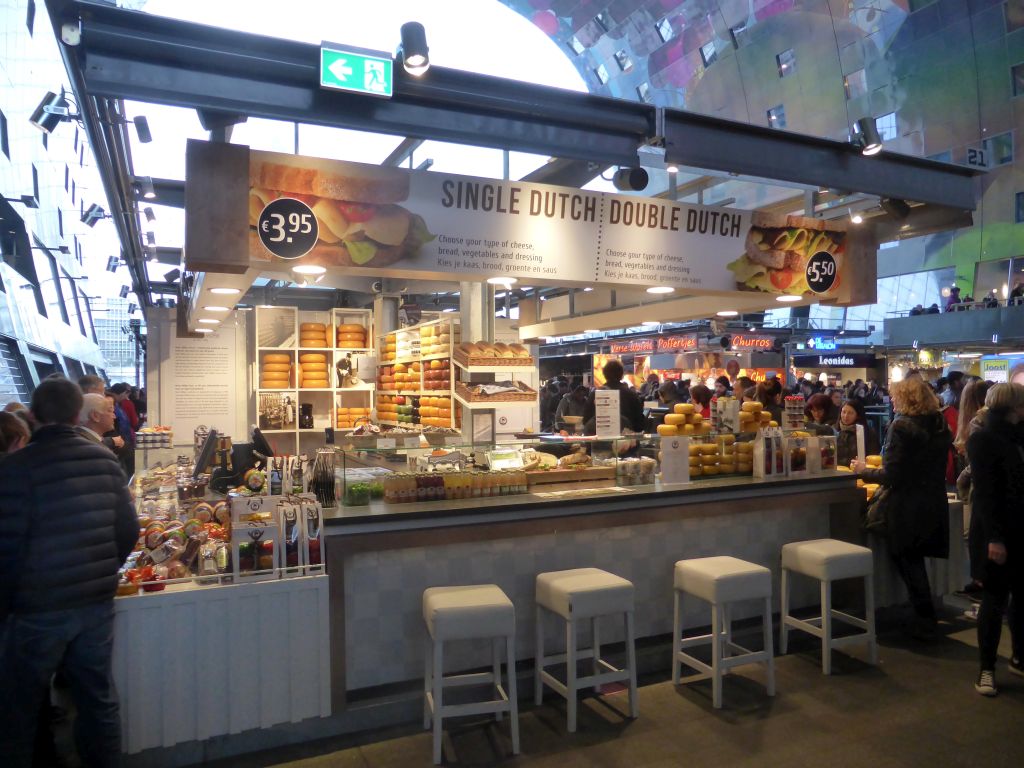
826	627
570	672
869	617
677	631
634	701
784	613
496	672
538	662
727	632
716	656
513	696
428	650
596	645
770	665
438	694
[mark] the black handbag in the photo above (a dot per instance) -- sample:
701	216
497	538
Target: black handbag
876	517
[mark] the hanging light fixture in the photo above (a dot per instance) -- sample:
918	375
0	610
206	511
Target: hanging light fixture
865	136
414	51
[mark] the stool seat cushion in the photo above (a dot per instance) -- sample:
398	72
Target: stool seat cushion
583	593
465	612
827	559
723	579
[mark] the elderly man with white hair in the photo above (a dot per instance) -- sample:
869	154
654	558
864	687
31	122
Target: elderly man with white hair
96	419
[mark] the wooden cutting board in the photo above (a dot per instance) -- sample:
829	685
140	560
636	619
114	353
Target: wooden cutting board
589	475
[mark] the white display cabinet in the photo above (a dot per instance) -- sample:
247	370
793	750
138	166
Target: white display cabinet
312	369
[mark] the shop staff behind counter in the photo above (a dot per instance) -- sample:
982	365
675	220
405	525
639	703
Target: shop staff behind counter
631	410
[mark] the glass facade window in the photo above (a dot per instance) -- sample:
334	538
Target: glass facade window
777	116
602	73
886	125
30	16
1019	200
786	62
942	157
991	276
738	35
46	272
35	181
4	142
897	295
1014	15
622	59
604	20
643	91
575	45
1017	73
855	84
708	53
999	148
664	28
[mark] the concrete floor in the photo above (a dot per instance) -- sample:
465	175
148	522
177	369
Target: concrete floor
918	708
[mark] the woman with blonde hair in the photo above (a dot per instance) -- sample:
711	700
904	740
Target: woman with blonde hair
996	453
915	507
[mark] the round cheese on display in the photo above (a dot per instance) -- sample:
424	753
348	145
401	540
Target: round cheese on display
727	466
274	357
675	419
744	447
276	367
312	357
273	383
744	468
313	327
728	439
752	407
668	430
315	384
314	367
683	408
708	449
708	461
351	337
710	470
696	471
351	328
695	449
687	429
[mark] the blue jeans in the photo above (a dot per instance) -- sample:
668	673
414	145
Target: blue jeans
32	647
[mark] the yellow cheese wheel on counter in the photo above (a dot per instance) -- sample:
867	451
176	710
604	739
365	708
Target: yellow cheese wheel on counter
350	328
668	430
873	461
744	469
708	449
675	419
708	461
313	357
710	470
313	344
313	327
744	447
696	471
752	407
695	449
684	408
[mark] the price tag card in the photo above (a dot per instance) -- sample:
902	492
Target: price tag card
606	404
288	228
411	441
385	443
861	450
675	460
821	272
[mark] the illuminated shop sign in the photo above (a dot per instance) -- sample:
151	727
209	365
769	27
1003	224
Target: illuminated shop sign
835	361
631	346
821	343
751	341
677	343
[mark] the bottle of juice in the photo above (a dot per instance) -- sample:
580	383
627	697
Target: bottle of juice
389	489
476	485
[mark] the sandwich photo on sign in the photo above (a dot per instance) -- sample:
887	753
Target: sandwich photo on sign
359	221
791	255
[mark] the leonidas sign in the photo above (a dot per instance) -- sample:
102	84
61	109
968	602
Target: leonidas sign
385	221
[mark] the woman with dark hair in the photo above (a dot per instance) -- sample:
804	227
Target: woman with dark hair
816	411
996	453
916	511
768	394
700	396
970	419
852	415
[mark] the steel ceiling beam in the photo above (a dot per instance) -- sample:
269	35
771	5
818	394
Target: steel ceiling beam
133	55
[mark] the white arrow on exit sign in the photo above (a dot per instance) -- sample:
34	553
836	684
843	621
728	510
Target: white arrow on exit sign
340	69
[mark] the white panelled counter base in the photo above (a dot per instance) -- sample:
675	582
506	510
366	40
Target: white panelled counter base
191	663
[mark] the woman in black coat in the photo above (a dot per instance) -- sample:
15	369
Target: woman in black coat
996	453
914	472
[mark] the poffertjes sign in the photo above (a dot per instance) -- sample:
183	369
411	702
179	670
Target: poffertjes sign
386	221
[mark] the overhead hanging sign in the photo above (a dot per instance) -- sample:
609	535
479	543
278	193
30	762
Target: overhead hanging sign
354	69
822	343
835	360
396	222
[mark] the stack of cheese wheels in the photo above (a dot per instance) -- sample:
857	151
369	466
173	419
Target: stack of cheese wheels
684	421
313	371
351	417
753	417
727	454
312	336
744	458
350	336
436	411
390	350
275	370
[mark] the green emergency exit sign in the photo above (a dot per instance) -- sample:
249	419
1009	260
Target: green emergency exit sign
351	69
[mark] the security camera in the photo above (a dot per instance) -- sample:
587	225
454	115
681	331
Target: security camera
377	286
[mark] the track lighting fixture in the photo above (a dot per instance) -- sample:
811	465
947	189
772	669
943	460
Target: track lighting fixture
413	49
865	136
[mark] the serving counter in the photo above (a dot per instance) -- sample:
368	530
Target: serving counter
380	557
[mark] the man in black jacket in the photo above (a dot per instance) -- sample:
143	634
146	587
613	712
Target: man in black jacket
67	523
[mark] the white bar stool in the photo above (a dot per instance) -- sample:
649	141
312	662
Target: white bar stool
468	613
577	595
721	581
829	560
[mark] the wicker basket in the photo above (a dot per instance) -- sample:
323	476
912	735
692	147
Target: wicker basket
493	362
524	396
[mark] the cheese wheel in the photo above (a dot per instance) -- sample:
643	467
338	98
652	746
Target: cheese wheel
744	468
351	336
343	411
727	466
313	357
695	449
696	471
873	460
313	337
276	367
314	384
709	470
765	415
351	328
675	419
313	327
310	344
668	430
274	357
752	407
274	375
687	429
308	368
744	447
728	439
695	461
273	384
684	408
708	449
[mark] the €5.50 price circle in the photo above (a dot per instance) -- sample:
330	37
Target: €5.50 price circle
288	228
821	272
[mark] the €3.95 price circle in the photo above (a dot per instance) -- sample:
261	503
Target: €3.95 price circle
821	272
288	228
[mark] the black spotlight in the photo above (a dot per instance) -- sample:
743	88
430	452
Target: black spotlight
895	207
142	129
173	275
93	214
630	179
124	292
865	136
149	213
52	110
415	58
